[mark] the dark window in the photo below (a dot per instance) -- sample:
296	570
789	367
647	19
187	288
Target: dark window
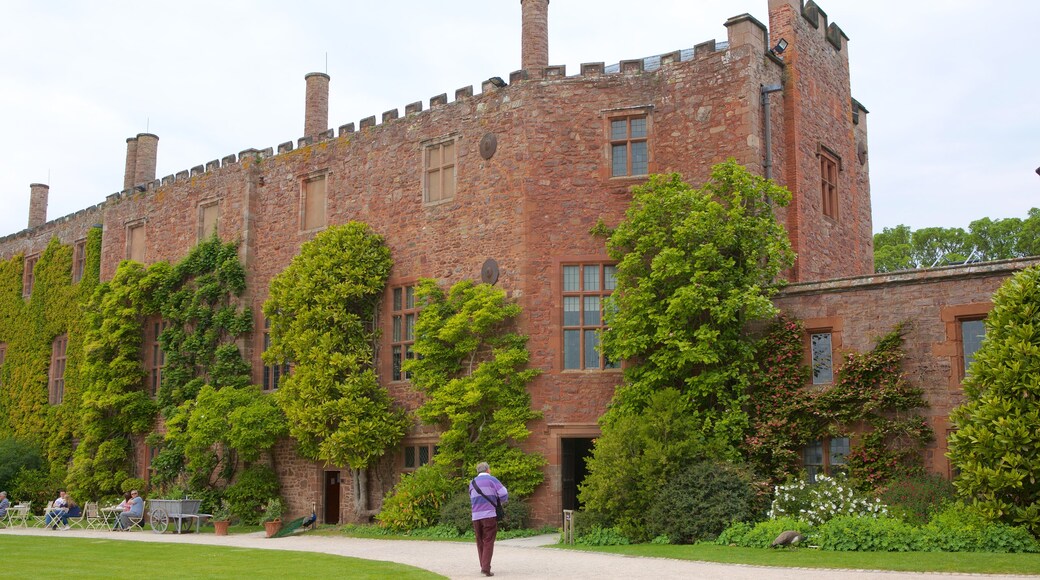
28	275
829	184
79	260
273	374
56	388
972	333
156	356
584	288
403	315
822	358
825	456
416	456
628	146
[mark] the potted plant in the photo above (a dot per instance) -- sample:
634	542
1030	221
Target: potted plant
221	518
272	516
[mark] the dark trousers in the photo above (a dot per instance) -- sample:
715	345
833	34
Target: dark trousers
485	530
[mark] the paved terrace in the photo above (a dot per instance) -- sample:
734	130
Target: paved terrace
525	558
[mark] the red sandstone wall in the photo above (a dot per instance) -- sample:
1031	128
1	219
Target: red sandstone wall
865	309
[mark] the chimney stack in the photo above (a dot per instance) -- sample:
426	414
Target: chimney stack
141	154
534	47
38	204
316	114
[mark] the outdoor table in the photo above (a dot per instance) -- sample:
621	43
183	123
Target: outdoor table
55	514
110	515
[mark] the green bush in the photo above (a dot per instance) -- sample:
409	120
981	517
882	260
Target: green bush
915	498
960	528
35	485
247	496
416	500
15	455
762	534
864	533
701	501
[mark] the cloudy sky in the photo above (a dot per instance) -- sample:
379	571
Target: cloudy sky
951	85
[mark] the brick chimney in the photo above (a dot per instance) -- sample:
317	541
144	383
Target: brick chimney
316	115
141	154
38	204
131	162
534	47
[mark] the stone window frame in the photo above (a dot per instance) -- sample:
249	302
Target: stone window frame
79	259
830	168
428	171
272	373
582	327
832	325
155	357
129	227
323	175
412	453
627	114
56	372
203	207
953	317
403	311
29	274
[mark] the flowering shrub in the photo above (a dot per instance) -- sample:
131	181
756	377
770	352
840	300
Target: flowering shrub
827	498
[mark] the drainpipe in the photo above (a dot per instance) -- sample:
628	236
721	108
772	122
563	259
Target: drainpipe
765	91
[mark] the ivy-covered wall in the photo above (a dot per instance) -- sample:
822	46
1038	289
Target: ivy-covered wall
28	327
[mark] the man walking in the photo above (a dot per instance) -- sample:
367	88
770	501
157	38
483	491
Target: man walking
485	493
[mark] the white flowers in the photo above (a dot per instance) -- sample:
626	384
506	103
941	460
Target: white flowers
819	503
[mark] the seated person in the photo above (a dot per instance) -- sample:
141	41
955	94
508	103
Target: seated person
136	512
58	510
4	504
125	504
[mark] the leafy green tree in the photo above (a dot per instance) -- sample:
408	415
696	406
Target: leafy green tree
16	455
893	248
1029	238
472	367
695	266
321	309
995	447
939	247
995	239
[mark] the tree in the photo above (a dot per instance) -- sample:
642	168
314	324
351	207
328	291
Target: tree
995	239
321	309
695	266
893	249
995	447
472	368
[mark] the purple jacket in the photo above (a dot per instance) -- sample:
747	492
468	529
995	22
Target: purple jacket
491	487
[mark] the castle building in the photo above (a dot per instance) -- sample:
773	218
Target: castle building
505	185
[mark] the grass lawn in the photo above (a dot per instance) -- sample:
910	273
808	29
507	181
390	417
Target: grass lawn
64	557
964	562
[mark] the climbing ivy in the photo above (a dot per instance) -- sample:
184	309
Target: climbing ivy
28	327
114	405
870	396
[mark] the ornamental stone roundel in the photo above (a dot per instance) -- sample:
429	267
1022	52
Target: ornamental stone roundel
489	271
488	144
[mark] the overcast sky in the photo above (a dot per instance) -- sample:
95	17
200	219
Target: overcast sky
951	85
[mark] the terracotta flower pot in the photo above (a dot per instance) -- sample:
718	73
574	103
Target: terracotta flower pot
220	527
272	527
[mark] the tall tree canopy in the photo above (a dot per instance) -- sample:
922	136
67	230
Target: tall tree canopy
901	248
321	309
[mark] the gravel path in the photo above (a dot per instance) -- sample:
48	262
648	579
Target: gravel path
524	558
